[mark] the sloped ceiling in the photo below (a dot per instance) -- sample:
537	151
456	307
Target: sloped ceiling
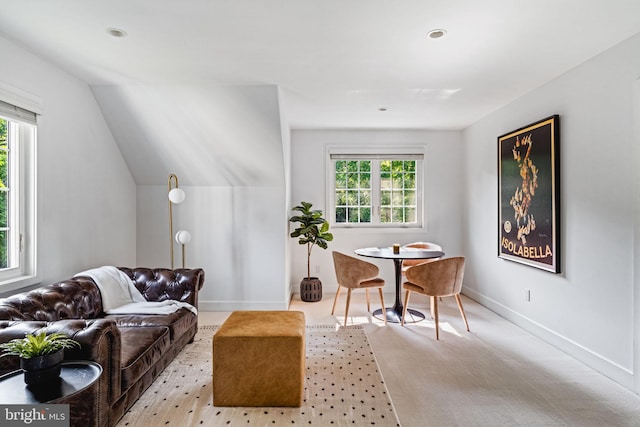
207	135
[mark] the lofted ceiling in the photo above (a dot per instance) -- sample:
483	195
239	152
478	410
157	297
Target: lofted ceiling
338	63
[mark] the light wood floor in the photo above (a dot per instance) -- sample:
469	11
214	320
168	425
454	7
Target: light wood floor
495	375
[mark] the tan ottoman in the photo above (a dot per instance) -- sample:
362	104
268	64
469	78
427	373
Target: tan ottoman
259	359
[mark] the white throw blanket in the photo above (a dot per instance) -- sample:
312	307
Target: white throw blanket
120	295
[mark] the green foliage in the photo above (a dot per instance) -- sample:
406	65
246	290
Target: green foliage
3	131
37	345
313	230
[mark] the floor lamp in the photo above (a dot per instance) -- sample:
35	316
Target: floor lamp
176	196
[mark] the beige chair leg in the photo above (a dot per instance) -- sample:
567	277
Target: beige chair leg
366	291
434	305
431	299
335	300
464	316
384	310
346	313
404	308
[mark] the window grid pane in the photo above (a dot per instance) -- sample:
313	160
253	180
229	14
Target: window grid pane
4	209
353	191
398	202
4	250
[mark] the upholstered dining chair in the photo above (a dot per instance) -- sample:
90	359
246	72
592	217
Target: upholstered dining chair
353	273
420	245
441	278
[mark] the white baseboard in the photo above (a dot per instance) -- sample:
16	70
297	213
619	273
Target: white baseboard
596	361
242	305
272	305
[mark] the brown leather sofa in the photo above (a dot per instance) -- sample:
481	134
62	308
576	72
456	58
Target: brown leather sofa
132	349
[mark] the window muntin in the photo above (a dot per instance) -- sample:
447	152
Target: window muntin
375	190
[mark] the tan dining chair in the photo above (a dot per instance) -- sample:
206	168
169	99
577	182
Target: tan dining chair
441	278
420	245
353	273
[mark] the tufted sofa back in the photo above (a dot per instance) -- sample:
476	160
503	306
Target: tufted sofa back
160	284
79	297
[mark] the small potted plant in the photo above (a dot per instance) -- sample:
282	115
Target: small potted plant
313	230
40	354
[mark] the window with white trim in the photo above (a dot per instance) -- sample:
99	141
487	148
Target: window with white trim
17	194
375	189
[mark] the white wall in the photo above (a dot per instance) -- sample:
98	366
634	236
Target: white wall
236	238
228	146
588	309
443	200
86	212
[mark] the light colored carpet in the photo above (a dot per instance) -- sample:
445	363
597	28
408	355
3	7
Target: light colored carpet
343	387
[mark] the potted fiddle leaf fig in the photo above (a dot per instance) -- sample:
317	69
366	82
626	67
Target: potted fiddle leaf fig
312	230
40	354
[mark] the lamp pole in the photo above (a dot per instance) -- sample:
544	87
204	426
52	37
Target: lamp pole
175	195
183	237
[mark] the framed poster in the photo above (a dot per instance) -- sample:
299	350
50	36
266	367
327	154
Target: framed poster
528	195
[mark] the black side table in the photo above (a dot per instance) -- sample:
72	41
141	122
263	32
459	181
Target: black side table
78	380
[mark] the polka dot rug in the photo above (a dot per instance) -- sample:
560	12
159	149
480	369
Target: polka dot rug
343	387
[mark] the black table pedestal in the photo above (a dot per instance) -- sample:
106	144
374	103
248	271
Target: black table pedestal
394	314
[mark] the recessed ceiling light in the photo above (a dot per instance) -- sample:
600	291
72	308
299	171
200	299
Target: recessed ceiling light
116	32
436	34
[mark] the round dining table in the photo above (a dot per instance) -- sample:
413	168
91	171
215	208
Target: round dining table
394	314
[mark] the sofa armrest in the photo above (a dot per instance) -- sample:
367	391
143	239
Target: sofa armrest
160	284
99	342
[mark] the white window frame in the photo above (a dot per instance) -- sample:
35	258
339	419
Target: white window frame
23	191
376	153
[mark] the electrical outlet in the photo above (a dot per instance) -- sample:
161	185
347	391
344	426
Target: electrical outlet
527	295
317	268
